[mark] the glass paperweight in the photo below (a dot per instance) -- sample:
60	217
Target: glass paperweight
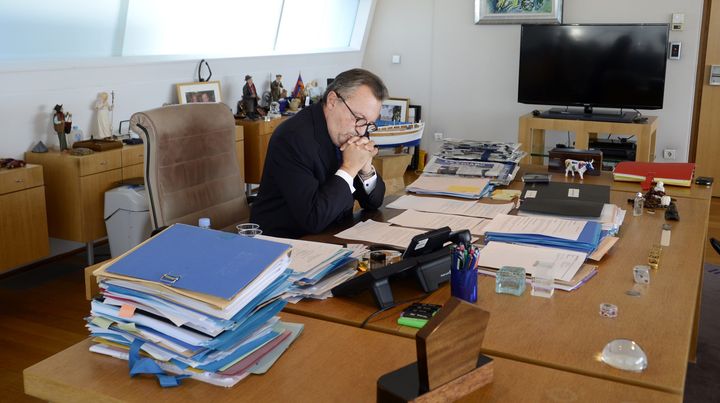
510	280
542	287
624	354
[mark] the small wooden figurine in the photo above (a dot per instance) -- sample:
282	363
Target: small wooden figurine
59	125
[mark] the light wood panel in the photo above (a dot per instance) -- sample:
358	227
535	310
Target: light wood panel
328	362
240	149
92	199
23	218
257	135
531	133
708	140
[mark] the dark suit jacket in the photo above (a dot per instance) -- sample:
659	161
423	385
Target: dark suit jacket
299	191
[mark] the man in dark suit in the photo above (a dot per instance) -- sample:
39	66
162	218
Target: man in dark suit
320	161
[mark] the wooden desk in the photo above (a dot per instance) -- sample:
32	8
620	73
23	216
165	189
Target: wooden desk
328	362
566	332
23	218
531	134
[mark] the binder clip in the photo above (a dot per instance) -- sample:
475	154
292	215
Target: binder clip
169	279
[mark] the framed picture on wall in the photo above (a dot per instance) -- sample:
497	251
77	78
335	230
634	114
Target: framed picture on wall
395	110
518	11
206	91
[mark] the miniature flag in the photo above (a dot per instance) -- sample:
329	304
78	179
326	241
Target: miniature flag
299	89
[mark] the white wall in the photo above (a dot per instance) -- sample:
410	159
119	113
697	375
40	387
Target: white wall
28	96
465	75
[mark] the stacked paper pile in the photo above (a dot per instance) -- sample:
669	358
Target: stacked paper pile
197	303
317	267
457	186
494	159
582	236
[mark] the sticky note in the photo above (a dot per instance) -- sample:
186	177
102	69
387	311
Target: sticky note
101	322
127	311
463	189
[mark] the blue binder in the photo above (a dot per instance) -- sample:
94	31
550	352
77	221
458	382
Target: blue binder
206	261
587	241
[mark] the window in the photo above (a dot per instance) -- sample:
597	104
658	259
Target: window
41	29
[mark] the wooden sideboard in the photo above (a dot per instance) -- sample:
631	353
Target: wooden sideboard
76	187
257	138
531	135
23	219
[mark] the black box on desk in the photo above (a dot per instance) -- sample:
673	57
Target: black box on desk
556	161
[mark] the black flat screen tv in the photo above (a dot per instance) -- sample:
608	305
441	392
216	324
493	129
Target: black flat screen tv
593	65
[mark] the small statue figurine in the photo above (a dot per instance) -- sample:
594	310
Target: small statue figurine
572	166
250	98
59	126
276	88
313	91
103	108
654	197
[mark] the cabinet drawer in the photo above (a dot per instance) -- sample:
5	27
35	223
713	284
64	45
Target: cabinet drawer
99	162
132	155
12	180
133	171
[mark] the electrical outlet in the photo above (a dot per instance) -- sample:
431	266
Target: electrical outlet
439	136
669	154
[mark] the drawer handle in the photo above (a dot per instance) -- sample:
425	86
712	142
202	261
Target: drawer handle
140	155
103	162
19	181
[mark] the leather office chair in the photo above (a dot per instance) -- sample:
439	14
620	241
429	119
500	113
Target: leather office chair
191	169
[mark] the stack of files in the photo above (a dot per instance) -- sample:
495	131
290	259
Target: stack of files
567	268
383	233
498	172
456	186
494	151
582	236
451	206
317	267
197	302
670	173
564	199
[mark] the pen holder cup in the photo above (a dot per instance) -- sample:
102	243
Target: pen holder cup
463	283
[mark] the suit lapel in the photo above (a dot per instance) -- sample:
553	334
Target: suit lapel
327	152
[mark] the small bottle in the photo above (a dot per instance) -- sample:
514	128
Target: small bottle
77	134
638	204
665	235
204	223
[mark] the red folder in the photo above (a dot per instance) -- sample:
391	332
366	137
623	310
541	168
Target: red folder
670	173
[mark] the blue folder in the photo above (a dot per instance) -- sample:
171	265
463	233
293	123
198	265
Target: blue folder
587	241
211	262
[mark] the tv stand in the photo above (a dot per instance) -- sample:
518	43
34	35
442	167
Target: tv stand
531	134
588	114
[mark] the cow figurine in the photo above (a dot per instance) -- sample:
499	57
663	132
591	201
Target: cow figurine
572	166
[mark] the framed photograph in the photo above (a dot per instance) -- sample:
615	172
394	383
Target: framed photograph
395	110
518	11
206	91
414	113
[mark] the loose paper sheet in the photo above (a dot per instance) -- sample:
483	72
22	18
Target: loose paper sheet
379	232
553	227
560	264
418	219
450	206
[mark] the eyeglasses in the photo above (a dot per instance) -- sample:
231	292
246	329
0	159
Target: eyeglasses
370	127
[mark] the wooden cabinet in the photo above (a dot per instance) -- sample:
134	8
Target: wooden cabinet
531	135
257	137
240	149
23	218
76	188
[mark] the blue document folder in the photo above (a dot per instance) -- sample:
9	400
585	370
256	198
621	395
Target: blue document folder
587	241
211	262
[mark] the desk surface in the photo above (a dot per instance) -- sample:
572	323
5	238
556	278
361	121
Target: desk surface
328	362
566	331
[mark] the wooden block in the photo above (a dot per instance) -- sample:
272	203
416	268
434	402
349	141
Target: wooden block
460	387
392	169
449	344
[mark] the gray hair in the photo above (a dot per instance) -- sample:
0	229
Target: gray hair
347	82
